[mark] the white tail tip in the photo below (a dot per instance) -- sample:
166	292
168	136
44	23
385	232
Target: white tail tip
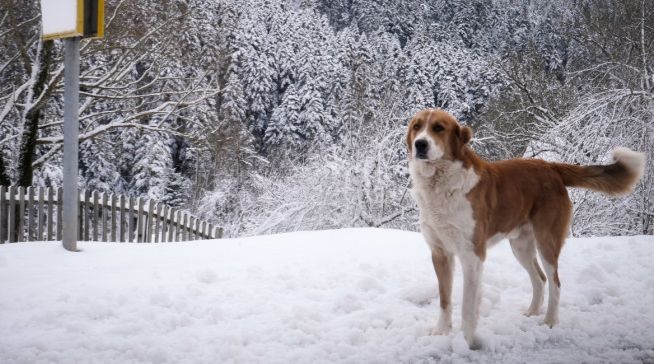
635	161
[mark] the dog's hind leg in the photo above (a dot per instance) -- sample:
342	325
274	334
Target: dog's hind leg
524	249
551	225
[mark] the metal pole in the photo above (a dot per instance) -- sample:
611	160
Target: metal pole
71	142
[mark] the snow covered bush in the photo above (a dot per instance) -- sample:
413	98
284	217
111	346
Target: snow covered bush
587	135
358	184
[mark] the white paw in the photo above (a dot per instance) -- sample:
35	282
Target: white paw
550	321
444	325
474	342
438	330
531	311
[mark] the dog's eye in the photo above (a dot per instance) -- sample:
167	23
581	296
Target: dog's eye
417	127
437	128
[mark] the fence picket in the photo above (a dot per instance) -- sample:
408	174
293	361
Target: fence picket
80	215
178	226
191	222
40	212
171	226
113	217
149	221
20	216
130	219
11	211
196	228
184	236
50	217
139	222
105	208
121	217
156	217
3	209
60	201
96	216
87	215
164	223
29	218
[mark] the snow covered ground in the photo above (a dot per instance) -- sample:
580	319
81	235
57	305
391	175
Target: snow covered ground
346	296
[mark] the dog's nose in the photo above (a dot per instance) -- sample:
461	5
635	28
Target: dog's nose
421	146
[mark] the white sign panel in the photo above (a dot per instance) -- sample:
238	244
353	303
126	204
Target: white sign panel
60	18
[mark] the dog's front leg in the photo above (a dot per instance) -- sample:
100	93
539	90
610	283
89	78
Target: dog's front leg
444	267
472	272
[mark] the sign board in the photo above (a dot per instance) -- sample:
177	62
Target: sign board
72	18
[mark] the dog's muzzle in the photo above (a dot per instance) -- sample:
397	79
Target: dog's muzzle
422	147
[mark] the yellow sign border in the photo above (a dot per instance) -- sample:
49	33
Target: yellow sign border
79	26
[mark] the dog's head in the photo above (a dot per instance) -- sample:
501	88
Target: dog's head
435	135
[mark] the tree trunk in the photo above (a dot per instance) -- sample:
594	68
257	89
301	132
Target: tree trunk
32	116
4	179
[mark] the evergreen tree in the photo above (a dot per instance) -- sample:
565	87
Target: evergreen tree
97	172
152	164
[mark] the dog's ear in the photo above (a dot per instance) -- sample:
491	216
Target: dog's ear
465	134
408	135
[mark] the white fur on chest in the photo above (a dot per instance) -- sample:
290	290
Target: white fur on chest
445	212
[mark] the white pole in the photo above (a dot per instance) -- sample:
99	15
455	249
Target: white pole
71	142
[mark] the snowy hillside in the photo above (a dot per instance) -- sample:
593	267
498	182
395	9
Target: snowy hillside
351	296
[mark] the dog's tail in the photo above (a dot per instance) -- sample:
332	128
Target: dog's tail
614	179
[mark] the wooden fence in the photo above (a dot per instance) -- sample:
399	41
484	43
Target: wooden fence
34	214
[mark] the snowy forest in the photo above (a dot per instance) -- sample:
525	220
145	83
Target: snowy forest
267	116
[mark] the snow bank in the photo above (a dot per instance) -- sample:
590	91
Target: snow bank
347	296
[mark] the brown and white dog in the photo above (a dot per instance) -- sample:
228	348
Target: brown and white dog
468	204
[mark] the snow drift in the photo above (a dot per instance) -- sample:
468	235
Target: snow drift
346	296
